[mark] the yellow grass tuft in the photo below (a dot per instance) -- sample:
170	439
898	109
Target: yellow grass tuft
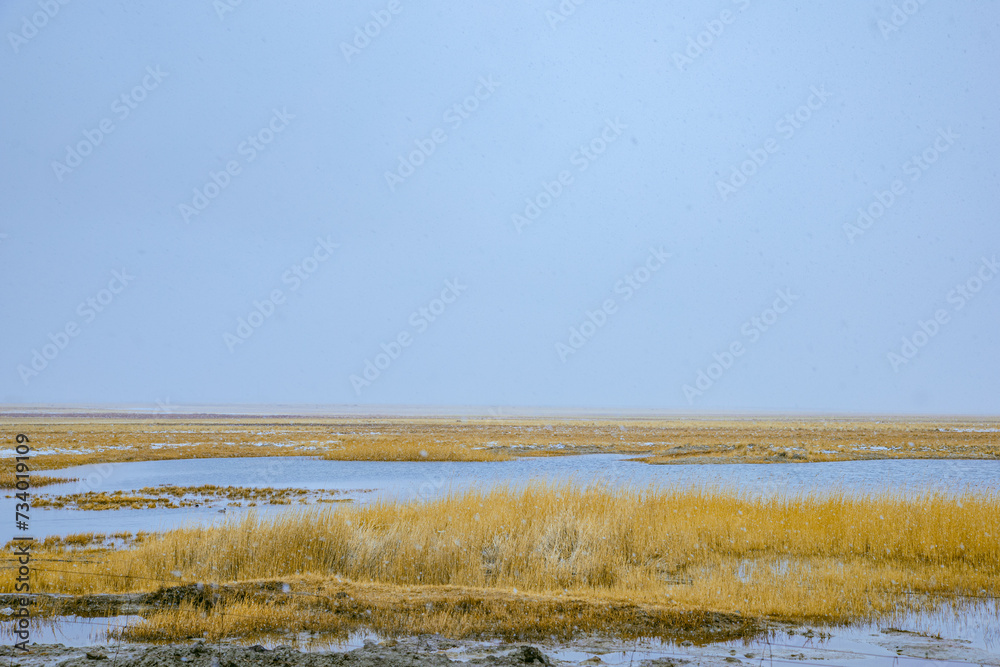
8	478
171	496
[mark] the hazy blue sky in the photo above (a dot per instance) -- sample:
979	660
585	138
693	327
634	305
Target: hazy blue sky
619	205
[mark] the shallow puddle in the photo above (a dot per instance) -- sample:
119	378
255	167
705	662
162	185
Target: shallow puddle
72	630
966	637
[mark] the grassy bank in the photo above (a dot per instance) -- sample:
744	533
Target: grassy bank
652	554
172	496
8	479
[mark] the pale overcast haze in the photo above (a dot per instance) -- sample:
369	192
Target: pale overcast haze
615	206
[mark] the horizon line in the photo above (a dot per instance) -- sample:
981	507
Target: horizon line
402	411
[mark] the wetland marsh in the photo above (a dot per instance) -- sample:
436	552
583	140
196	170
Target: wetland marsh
528	535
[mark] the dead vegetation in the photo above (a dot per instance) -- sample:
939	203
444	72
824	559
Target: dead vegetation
54	545
8	478
172	497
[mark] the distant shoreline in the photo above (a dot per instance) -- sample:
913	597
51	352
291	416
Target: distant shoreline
182	412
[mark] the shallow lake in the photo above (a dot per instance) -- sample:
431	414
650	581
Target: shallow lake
365	481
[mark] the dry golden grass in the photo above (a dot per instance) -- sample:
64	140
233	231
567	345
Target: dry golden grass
335	609
833	558
102	500
53	544
8	479
78	539
171	496
61	442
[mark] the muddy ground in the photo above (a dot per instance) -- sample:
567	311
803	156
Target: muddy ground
413	652
888	648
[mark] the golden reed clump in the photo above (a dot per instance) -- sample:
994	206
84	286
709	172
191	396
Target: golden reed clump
8	479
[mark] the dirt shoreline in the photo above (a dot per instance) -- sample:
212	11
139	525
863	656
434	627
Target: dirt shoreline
423	651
